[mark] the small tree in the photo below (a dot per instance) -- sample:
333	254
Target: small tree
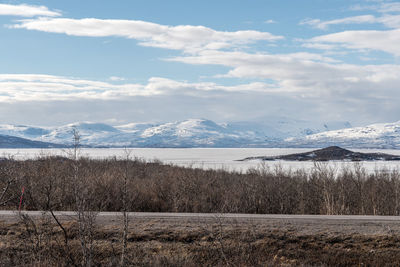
7	180
125	214
86	218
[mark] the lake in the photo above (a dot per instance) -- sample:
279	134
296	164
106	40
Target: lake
206	158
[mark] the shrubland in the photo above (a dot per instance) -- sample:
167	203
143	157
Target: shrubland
117	184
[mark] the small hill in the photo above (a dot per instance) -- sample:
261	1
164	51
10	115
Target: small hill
332	153
17	142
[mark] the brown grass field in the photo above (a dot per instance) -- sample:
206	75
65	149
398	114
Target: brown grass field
211	242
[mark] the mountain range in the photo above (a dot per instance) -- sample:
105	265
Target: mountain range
281	132
381	135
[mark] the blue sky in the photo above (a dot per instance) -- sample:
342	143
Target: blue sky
153	61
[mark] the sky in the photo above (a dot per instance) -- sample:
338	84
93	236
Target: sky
129	61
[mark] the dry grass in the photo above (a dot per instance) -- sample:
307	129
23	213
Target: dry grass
191	243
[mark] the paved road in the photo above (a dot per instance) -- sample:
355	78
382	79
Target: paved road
13	215
302	224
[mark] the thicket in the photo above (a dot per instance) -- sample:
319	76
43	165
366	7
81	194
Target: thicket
58	183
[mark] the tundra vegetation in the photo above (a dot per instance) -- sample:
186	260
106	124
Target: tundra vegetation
87	186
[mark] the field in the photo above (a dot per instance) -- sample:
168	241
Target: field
206	241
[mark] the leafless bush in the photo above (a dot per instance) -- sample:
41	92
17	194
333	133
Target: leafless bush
83	195
56	183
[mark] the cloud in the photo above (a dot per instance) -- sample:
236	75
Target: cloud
34	87
390	21
270	21
383	7
349	96
323	25
116	79
27	11
388	16
64	100
216	105
182	37
361	40
306	74
389	7
300	85
387	41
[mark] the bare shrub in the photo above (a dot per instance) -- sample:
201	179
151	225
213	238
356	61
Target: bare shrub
87	185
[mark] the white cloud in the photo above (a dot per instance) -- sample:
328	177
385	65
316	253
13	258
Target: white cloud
362	40
27	11
349	20
389	7
270	21
390	21
306	74
387	41
389	16
34	87
183	37
316	91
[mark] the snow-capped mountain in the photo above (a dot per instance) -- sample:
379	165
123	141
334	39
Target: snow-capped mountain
283	127
187	133
382	135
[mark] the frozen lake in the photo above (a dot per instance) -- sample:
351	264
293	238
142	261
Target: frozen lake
207	158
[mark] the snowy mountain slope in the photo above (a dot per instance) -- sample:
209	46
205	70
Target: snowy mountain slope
134	127
90	133
382	135
283	127
198	133
187	133
23	131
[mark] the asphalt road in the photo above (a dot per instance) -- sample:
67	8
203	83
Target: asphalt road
301	224
12	216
